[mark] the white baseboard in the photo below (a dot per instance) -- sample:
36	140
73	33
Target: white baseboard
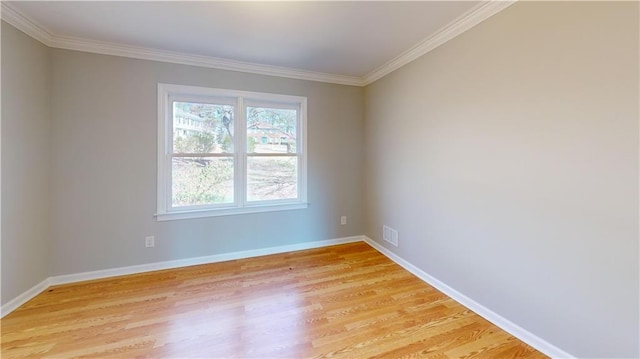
24	297
106	273
505	324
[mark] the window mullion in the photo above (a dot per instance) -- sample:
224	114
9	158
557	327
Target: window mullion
240	148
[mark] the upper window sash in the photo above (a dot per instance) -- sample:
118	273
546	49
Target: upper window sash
226	110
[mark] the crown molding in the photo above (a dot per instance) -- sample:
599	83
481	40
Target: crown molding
104	48
461	24
33	29
24	24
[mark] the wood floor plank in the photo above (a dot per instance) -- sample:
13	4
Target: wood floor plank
346	301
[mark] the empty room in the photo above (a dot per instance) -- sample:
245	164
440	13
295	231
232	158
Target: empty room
209	179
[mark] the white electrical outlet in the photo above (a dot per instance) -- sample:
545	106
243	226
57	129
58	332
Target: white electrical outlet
390	235
149	241
343	220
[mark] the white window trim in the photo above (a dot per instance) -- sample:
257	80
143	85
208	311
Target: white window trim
240	205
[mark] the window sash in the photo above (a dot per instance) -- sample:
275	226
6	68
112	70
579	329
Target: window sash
170	180
299	178
222	101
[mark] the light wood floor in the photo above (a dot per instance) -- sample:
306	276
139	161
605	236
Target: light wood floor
344	301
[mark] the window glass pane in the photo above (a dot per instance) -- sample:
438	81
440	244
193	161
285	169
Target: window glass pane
202	128
201	181
270	178
271	130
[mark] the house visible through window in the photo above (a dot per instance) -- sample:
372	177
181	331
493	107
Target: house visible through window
229	152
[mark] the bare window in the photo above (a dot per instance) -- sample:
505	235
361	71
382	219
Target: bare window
228	152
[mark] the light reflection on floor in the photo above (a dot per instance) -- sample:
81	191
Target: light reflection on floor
243	325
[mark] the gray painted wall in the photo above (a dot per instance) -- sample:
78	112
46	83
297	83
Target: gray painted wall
104	165
26	95
507	158
508	161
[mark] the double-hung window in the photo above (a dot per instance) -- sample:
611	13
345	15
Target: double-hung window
224	152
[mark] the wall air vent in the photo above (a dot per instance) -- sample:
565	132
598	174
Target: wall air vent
390	235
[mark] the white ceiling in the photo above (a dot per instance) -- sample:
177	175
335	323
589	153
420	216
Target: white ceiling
347	39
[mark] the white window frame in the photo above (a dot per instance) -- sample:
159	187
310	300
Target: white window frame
240	99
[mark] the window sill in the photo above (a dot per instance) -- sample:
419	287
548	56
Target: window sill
171	216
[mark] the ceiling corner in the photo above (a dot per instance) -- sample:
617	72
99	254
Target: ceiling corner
25	24
461	24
